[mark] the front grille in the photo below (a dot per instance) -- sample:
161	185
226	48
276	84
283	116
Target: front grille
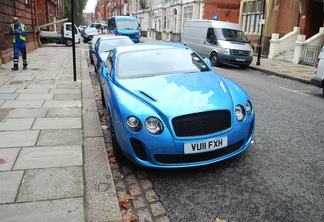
240	52
199	124
190	158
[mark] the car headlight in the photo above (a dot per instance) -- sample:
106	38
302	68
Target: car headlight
248	107
227	51
153	125
239	113
133	123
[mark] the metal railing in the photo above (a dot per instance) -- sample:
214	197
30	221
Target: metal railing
309	55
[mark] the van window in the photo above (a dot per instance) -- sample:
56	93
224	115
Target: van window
230	35
211	38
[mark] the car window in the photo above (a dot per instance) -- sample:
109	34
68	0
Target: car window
109	63
135	64
107	44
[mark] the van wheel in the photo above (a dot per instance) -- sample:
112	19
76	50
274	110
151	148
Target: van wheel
68	42
214	59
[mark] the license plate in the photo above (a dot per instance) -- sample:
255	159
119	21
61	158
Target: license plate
205	146
240	60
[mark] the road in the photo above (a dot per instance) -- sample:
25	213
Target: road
279	178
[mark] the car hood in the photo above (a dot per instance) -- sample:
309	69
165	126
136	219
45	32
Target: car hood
181	93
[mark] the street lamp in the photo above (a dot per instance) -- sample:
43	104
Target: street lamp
260	39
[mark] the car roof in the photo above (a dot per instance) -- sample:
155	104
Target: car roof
114	37
149	45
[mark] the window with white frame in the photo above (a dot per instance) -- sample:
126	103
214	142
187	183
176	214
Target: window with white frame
252	13
187	12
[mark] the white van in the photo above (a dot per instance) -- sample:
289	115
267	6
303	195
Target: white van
221	42
318	78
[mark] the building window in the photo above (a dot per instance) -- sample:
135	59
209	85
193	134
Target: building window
187	12
252	13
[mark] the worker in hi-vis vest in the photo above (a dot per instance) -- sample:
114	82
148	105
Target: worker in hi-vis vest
19	32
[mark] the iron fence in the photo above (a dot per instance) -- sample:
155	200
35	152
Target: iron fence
309	55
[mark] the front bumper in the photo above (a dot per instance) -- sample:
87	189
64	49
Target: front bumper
317	82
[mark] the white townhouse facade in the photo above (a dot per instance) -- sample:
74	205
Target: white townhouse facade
163	19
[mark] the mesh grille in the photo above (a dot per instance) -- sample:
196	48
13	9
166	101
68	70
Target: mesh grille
199	124
240	52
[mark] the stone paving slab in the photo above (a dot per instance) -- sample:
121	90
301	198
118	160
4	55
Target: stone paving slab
25	113
70	210
9	183
8	157
8	90
22	104
57	123
8	96
32	91
4	113
48	156
67	97
17	124
65	91
18	138
35	97
64	112
46	184
58	137
62	104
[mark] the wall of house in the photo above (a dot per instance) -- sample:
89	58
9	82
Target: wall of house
288	17
26	14
226	10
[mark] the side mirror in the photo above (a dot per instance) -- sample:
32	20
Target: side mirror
93	50
208	62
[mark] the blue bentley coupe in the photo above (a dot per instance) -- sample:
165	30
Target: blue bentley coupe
169	109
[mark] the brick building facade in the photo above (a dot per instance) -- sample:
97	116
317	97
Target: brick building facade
32	13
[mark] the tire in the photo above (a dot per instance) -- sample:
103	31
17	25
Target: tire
103	102
69	42
214	59
91	60
119	156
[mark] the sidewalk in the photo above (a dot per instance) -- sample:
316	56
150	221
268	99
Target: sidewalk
53	160
283	69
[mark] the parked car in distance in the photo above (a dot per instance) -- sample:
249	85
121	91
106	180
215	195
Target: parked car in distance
93	42
318	78
104	44
169	109
88	34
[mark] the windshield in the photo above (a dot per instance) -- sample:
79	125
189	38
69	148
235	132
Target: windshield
154	62
107	44
90	30
127	24
230	35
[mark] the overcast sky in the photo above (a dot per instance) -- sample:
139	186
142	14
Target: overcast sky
91	4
